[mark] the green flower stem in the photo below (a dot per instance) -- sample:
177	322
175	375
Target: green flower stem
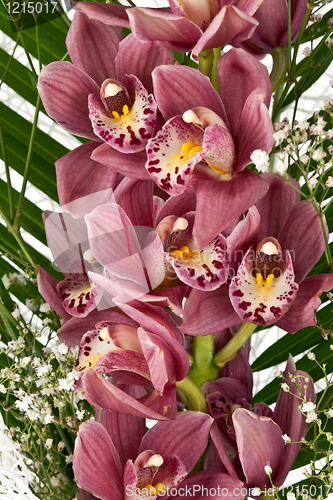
193	393
280	57
215	81
18	238
228	351
16	223
206	62
203	368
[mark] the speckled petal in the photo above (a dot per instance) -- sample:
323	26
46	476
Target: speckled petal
128	133
78	296
205	269
262	304
170	167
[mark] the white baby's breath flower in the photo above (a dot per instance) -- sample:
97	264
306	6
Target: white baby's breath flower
16	313
318	154
31	305
311	417
3	389
281	168
291	495
311	356
80	414
69	459
43	369
309	406
268	470
63	349
329	183
45	308
6	281
286	438
307	52
304	159
260	159
61	445
48	444
285	387
312	183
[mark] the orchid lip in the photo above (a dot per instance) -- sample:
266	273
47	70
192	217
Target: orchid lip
115	98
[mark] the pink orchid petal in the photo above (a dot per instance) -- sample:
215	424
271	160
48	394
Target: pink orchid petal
243	237
239	74
177	205
167	164
130	165
72	331
302	235
126	365
276	205
262	304
103	394
78	296
64	90
136	199
205	269
222	452
219	149
303	309
82	183
254	433
164	403
100	44
180	88
140	58
111	15
129	133
220	202
209	484
190	431
208	312
231	25
175	31
47	287
93	445
288	416
256	131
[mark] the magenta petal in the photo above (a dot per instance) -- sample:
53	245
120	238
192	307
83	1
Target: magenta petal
175	31
208	312
302	235
186	437
302	312
130	132
239	75
78	296
100	44
256	131
177	205
136	199
73	330
64	90
131	362
93	447
288	416
276	205
222	452
82	183
168	165
111	15
132	165
47	287
159	357
180	88
260	443
209	484
243	237
140	58
164	403
220	202
262	303
103	394
229	26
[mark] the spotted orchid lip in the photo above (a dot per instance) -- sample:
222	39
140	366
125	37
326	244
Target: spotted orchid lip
265	301
127	129
78	296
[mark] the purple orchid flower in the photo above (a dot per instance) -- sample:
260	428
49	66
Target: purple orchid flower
272	31
242	430
167	453
222	131
142	346
197	25
271	251
94	97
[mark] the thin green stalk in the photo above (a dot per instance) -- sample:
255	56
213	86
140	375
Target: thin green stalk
298	41
9	184
5	312
215	81
16	223
280	57
228	352
193	393
313	54
18	238
203	368
206	59
289	35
